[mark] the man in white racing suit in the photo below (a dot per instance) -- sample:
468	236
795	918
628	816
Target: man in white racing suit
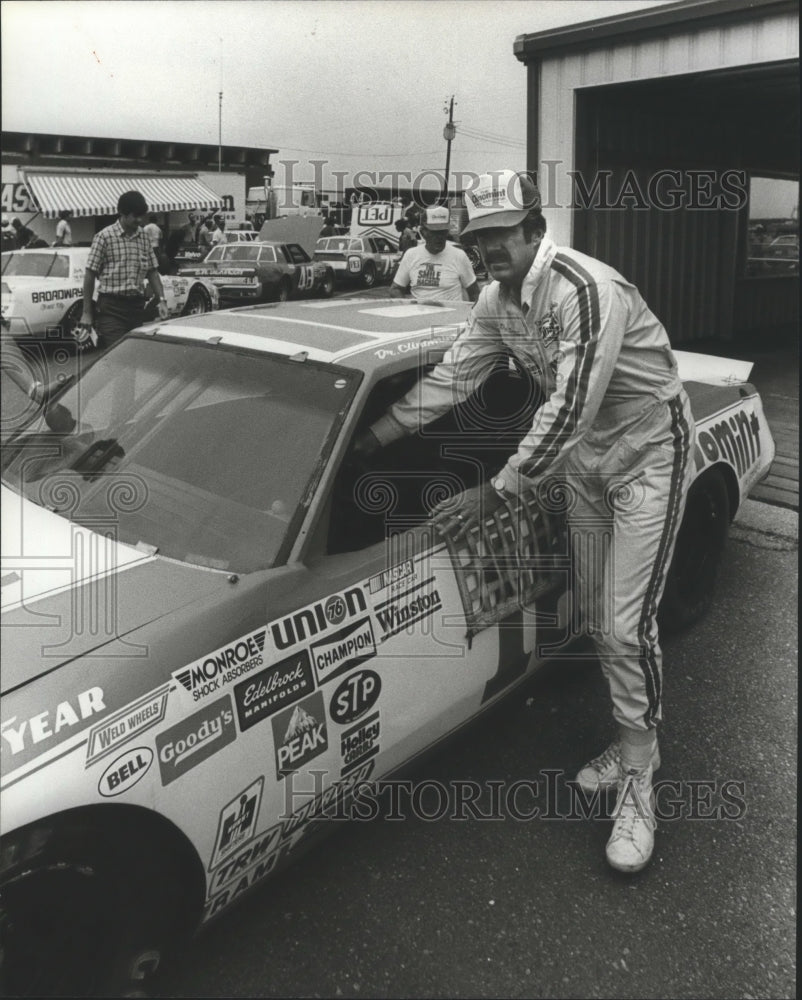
616	427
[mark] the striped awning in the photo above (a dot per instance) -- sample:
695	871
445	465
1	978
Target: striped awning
87	192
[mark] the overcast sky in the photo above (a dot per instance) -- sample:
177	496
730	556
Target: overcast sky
361	85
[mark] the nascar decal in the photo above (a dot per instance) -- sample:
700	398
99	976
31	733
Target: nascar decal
734	438
299	735
125	771
46	729
242	871
408	608
123	726
360	743
237	823
272	689
344	649
195	739
356	695
318	617
395	575
225	665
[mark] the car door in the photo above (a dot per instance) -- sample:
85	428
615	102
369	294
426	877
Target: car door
385	255
301	267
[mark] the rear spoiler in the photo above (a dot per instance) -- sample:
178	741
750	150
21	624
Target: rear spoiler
712	370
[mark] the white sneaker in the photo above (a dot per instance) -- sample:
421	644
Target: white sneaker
632	841
604	771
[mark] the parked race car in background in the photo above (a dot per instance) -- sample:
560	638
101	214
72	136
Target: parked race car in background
261	270
366	259
42	291
218	623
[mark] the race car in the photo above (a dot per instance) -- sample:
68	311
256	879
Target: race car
42	291
261	270
221	627
367	259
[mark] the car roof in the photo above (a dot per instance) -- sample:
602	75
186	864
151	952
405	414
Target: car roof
364	333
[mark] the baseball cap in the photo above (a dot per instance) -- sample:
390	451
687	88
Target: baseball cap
502	198
436	218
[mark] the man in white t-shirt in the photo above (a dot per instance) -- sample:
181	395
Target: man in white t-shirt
437	270
63	229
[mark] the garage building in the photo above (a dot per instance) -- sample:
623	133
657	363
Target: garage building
666	143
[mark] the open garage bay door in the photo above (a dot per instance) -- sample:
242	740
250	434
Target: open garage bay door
89	193
664	172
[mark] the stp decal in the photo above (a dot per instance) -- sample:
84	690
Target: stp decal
356	695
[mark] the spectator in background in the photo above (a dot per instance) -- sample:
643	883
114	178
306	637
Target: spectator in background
23	234
218	231
437	270
328	229
406	239
154	234
204	236
63	229
121	259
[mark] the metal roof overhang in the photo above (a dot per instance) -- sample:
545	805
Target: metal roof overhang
88	193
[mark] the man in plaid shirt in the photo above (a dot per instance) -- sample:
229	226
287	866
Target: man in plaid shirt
121	258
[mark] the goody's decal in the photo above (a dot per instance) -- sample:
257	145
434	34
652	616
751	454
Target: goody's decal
408	608
359	743
118	729
237	823
272	689
318	617
24	739
195	739
356	695
299	734
125	771
225	665
344	649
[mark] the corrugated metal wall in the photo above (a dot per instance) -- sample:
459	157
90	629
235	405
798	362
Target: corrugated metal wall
683	259
769	37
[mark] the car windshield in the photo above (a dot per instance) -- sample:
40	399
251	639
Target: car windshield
339	243
36	265
207	454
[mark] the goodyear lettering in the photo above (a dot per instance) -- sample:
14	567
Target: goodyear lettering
735	439
47	725
321	616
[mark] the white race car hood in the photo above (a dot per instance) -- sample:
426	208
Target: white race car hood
44	553
67	591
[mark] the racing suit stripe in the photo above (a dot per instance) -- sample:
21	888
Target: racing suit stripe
646	628
577	389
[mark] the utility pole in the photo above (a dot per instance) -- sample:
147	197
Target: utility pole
220	115
448	134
